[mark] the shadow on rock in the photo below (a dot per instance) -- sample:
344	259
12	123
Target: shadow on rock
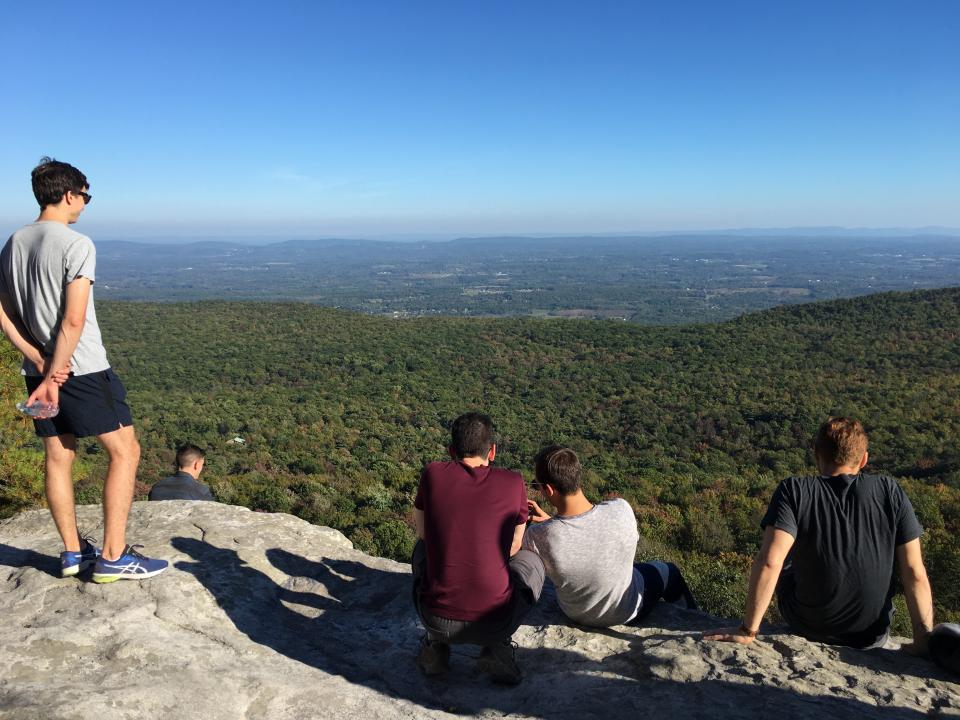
18	557
349	619
894	662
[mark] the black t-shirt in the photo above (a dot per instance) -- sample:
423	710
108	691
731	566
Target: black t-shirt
836	584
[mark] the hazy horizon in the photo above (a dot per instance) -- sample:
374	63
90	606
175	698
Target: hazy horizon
752	233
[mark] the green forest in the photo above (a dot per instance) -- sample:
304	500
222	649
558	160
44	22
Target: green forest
330	414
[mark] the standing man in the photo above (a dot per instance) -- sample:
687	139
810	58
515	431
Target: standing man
184	485
472	583
588	550
46	294
828	550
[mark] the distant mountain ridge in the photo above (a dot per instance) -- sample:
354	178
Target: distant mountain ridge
650	280
798	231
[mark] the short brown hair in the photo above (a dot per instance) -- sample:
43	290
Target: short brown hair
188	454
840	441
53	179
559	466
473	434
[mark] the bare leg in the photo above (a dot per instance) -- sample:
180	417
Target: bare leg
124	451
60	451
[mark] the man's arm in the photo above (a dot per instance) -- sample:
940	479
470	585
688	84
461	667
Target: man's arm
68	337
419	522
517	539
916	590
536	513
763	581
13	328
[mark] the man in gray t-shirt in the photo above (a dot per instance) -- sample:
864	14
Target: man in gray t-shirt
588	550
47	272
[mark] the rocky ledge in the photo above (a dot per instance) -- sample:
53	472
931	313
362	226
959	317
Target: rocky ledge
267	616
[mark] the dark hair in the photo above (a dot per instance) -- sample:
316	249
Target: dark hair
472	435
559	466
53	179
840	441
188	454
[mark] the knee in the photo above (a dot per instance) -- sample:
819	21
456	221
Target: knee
128	450
527	571
132	451
60	455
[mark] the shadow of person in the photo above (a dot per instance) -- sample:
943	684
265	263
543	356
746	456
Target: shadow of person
348	619
339	616
351	583
19	557
894	661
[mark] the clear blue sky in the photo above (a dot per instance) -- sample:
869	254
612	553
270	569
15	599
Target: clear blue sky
360	118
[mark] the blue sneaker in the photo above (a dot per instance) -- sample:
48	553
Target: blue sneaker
72	563
131	565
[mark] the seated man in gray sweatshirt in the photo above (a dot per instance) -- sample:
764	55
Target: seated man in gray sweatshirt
588	550
184	485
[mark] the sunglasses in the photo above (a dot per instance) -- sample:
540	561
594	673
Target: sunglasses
87	197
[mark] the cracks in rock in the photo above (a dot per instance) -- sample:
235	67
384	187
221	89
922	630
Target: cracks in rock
197	631
203	533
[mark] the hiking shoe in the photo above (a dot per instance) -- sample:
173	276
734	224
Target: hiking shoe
498	662
72	563
131	565
434	657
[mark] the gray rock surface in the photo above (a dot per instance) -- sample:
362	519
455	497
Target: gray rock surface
266	616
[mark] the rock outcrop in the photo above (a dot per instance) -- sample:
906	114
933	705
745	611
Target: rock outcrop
266	616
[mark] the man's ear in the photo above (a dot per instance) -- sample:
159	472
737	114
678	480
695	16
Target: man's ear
863	460
493	452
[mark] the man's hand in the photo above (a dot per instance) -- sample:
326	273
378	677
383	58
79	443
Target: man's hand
58	376
47	393
737	635
919	645
537	514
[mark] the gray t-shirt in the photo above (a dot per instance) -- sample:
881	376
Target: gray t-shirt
36	264
589	558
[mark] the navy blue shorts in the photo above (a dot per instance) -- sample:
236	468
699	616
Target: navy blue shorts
92	404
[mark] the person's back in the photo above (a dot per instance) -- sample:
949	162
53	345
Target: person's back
184	484
181	486
838	584
829	546
37	264
589	557
472	581
470	516
588	550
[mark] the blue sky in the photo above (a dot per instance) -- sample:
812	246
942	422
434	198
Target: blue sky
370	119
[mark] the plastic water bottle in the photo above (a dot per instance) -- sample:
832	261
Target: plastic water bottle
39	410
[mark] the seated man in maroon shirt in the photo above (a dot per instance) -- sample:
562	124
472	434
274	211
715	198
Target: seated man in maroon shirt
472	584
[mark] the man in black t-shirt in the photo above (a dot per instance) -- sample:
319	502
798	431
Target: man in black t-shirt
829	547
